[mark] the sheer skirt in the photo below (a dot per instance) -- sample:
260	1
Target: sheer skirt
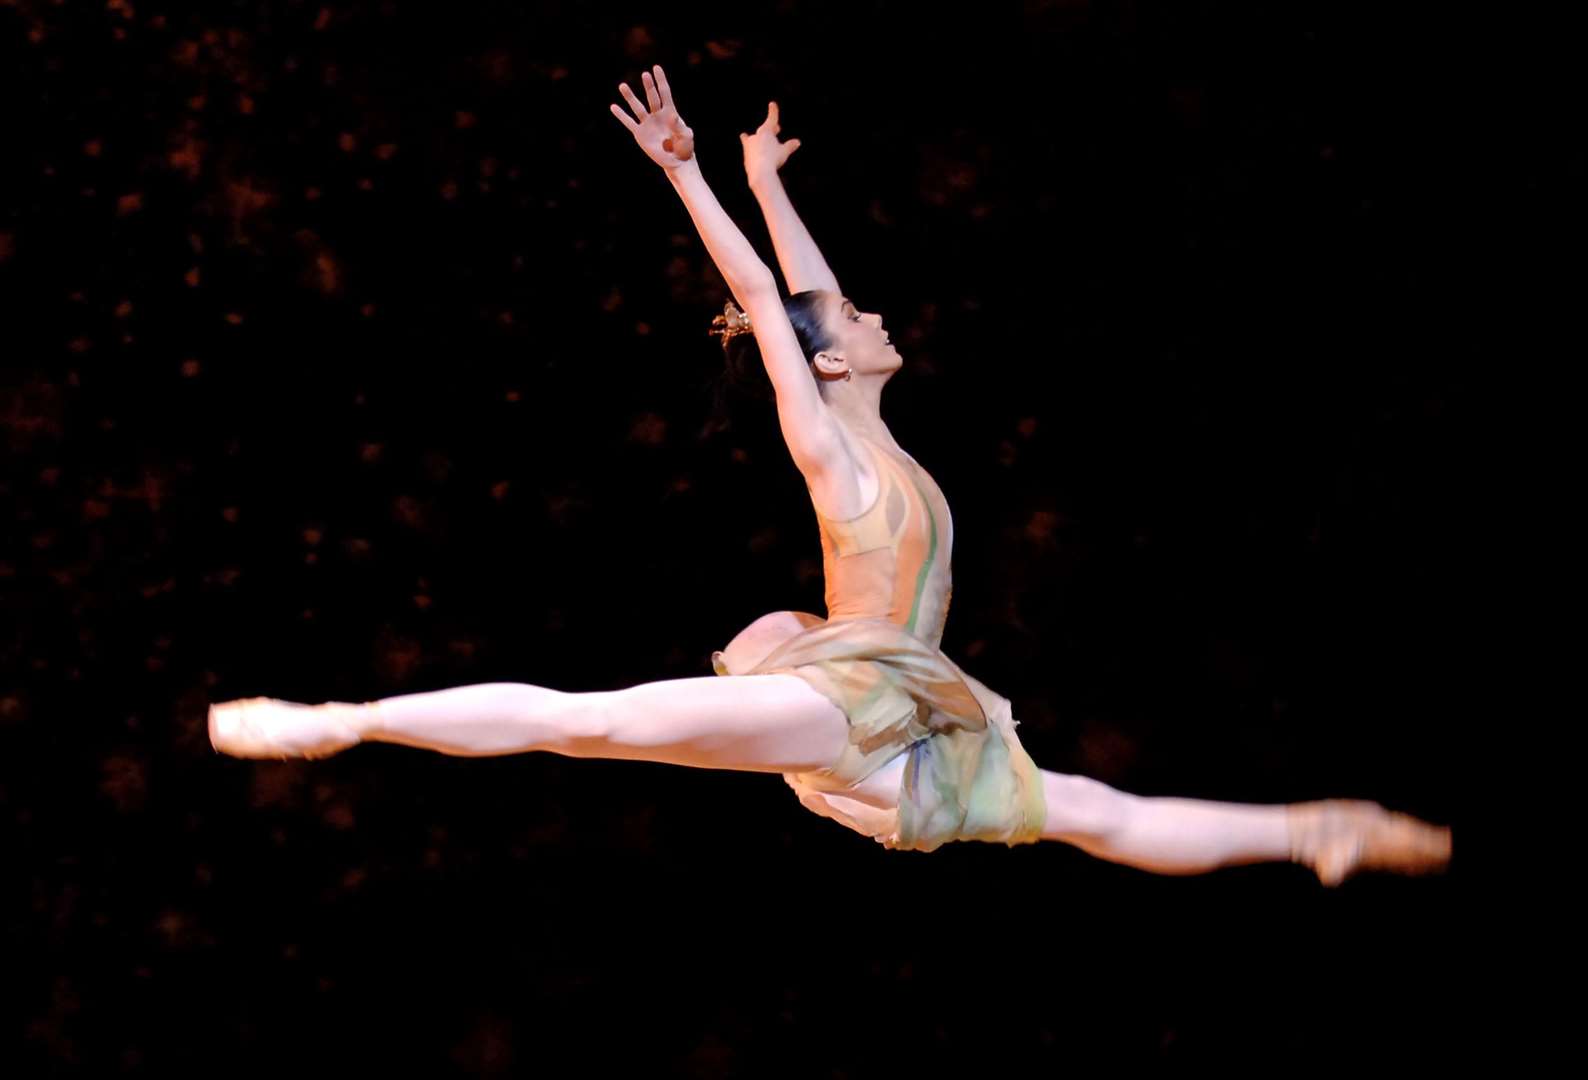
966	776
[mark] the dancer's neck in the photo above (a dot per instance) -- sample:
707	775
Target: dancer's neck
857	404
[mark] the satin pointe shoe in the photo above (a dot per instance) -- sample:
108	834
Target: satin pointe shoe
269	728
1337	838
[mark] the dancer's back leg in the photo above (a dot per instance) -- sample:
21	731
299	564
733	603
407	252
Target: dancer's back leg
757	723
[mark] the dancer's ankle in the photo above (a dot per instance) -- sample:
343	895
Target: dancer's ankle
1293	828
1301	825
361	720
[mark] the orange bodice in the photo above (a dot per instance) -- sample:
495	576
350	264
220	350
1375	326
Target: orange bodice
892	561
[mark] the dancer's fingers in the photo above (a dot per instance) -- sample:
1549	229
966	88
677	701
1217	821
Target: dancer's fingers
661	82
652	98
640	112
771	114
628	121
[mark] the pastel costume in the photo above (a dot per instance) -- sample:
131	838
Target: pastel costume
876	657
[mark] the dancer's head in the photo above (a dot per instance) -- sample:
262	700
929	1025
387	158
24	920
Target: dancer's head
835	336
853	340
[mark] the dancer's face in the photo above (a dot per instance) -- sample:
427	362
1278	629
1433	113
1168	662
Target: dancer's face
858	339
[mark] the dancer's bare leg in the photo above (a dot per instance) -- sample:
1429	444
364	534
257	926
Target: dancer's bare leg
1335	837
1164	835
757	723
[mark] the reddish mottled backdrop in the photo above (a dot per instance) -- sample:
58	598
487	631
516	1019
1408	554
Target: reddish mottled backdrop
352	349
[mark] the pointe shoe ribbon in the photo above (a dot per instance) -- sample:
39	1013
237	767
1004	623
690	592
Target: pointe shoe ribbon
269	728
1337	838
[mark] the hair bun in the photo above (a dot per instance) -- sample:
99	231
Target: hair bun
730	323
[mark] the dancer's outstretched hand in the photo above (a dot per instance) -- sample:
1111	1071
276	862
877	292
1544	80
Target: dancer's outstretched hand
660	131
763	154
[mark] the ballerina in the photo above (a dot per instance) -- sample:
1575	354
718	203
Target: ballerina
861	712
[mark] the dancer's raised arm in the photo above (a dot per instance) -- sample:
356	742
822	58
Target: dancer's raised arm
808	428
797	253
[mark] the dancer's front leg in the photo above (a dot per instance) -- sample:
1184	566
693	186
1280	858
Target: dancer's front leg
761	723
1334	838
1162	835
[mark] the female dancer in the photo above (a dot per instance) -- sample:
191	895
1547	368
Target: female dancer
862	713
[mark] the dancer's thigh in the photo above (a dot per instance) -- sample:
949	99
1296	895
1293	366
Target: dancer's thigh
881	788
1082	811
756	723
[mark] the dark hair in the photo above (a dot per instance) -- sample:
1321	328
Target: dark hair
743	371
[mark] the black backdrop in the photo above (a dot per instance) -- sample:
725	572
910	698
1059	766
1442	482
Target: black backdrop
354	349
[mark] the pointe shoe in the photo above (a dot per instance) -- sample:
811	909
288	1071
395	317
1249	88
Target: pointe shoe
1337	838
269	728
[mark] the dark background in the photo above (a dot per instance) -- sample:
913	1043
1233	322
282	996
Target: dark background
354	349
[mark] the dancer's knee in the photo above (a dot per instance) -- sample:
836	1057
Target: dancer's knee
635	721
586	723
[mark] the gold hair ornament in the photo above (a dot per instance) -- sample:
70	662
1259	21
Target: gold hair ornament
733	322
730	323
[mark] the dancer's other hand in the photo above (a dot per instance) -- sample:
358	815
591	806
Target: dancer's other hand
763	154
660	131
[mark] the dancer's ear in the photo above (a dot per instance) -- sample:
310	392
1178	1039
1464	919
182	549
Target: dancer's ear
829	365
